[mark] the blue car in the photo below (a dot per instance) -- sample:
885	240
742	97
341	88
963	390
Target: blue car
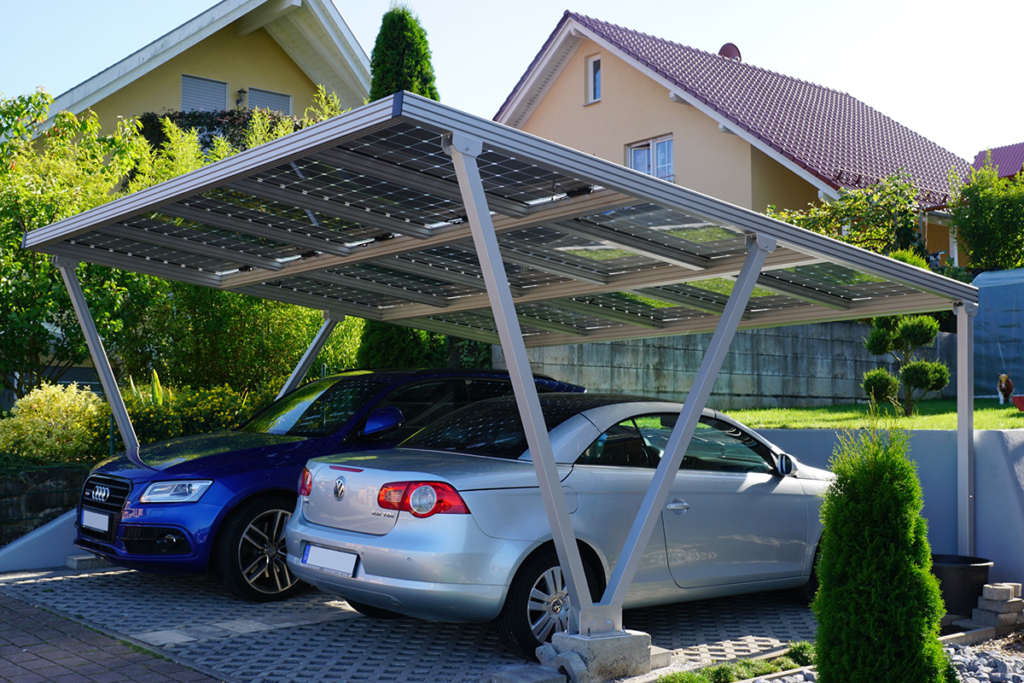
221	501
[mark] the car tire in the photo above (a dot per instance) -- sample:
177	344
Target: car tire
373	612
807	592
251	557
526	623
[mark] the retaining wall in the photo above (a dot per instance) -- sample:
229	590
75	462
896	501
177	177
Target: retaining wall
998	480
803	365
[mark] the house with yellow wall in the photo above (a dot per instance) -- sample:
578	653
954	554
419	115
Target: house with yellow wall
718	125
237	54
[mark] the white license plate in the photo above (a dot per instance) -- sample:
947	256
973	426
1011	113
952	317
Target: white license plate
337	561
95	521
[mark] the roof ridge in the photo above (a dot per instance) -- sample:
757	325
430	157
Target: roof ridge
742	64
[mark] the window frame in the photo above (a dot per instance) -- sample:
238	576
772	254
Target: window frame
224	106
291	100
593	86
651	145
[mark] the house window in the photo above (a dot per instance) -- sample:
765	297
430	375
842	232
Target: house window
593	79
266	99
653	157
203	94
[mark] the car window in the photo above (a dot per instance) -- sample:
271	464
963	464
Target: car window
718	446
621	445
421	404
315	409
483	389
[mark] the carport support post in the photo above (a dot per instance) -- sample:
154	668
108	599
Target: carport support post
330	321
758	247
99	355
965	313
464	150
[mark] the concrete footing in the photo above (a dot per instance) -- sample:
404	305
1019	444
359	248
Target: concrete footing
598	659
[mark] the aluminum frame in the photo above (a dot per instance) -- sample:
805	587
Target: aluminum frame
476	147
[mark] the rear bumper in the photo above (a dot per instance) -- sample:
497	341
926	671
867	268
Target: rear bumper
441	568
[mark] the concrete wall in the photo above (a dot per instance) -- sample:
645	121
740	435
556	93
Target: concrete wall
804	365
999	487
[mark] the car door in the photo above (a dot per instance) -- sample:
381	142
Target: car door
609	480
730	517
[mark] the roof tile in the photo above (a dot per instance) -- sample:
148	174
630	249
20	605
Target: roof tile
835	136
1008	159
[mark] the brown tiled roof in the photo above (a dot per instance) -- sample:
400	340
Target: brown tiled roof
831	134
1008	159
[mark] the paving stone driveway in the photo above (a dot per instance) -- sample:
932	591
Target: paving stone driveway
317	638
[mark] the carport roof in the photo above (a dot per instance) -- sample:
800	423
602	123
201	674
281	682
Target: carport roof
362	215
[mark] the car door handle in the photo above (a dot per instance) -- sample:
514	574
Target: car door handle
678	505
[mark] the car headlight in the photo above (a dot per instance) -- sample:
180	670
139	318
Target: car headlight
175	491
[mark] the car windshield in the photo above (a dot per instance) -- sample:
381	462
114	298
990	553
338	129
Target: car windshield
491	428
316	409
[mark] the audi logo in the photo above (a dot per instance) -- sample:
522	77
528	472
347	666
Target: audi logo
100	494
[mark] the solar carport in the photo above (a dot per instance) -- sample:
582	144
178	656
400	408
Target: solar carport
414	213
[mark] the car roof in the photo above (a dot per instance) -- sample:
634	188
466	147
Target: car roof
408	374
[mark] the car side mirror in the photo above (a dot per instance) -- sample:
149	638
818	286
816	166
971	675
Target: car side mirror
787	464
383	420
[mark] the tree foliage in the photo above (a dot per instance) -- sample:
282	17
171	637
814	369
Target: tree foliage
384	345
46	176
881	218
401	57
878	605
988	218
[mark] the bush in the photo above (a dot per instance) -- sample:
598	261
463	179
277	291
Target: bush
880	385
920	377
55	424
384	345
878	605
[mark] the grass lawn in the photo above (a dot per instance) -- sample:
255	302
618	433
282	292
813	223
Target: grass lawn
937	414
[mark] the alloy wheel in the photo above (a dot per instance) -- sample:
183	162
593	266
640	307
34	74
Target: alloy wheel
262	553
548	606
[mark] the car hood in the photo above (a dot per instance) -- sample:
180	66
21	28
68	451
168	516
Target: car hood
195	453
465	472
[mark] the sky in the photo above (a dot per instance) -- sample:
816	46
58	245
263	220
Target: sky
947	70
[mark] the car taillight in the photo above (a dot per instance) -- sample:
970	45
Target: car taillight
305	482
422	498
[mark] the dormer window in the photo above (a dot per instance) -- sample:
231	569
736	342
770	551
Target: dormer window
594	79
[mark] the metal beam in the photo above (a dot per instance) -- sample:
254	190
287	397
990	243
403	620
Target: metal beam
247	226
440	273
99	357
520	257
606	313
108	257
452	329
808	294
551	325
330	321
660	276
190	246
393	173
274	192
602	200
463	151
638	244
686	425
965	532
379	288
703	305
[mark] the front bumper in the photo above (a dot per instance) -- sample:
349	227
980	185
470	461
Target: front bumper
441	568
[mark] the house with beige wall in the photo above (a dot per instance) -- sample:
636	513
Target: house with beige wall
718	125
237	54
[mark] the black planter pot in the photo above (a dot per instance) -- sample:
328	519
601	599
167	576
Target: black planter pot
961	579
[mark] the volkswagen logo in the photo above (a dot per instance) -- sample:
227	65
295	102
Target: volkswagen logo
339	488
100	494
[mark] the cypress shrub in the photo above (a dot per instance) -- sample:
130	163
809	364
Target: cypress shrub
401	57
878	605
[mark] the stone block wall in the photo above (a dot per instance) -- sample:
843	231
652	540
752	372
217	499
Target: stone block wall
805	365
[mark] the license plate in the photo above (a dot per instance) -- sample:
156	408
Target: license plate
337	561
95	521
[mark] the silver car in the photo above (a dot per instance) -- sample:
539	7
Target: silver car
450	525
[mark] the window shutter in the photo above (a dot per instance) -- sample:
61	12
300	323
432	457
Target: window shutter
203	94
265	99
